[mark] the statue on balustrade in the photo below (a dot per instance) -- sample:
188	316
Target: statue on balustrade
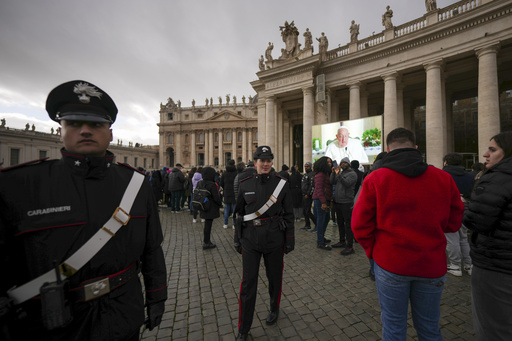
268	52
308	39
290	35
386	18
354	31
323	45
431	5
261	64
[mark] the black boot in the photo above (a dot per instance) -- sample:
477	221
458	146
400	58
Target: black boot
241	337
272	317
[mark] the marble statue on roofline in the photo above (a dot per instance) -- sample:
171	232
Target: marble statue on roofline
430	5
386	18
308	39
354	31
261	63
268	52
290	36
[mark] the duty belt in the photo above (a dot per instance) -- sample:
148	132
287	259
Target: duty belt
261	222
96	288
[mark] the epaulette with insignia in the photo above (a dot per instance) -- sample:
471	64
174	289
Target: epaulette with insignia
280	177
128	166
24	164
249	177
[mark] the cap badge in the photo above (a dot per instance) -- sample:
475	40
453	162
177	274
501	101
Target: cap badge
264	149
84	91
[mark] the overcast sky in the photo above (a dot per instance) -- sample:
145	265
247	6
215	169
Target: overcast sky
143	52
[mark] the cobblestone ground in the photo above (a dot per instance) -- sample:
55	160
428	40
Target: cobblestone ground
325	296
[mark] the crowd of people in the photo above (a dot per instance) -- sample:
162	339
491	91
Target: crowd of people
73	269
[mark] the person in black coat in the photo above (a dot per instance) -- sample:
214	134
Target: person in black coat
51	209
489	217
227	183
208	174
156	184
295	186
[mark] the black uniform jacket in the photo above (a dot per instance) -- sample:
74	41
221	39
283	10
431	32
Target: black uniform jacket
52	208
254	192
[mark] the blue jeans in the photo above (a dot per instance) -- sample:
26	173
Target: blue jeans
322	218
228	208
395	291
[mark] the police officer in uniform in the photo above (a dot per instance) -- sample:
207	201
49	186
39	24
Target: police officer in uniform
264	228
76	232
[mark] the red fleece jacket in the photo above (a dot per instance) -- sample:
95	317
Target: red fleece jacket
400	221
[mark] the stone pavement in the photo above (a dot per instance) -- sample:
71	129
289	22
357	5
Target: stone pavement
325	296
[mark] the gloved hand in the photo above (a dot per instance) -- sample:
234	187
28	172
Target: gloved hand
155	312
289	244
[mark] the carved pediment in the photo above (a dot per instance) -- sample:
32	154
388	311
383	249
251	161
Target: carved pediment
226	115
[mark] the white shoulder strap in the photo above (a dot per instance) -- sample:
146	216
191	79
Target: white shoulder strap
83	255
268	204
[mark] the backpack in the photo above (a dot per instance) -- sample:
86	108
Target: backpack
201	201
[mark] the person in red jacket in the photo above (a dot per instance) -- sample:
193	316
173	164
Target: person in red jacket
401	215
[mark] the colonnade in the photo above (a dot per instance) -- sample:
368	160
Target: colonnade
439	126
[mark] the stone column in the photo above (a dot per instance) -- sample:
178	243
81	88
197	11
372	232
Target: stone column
244	145
400	104
488	97
210	147
278	147
249	146
270	124
434	115
390	103
233	144
287	141
161	150
363	94
177	144
193	154
355	101
328	110
221	148
261	124
308	122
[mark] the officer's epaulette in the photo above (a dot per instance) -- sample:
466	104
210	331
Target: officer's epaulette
24	164
249	177
130	167
280	177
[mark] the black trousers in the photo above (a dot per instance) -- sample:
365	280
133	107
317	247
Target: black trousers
306	208
344	215
207	231
251	257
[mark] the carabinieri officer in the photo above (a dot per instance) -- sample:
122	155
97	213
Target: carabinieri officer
264	228
76	232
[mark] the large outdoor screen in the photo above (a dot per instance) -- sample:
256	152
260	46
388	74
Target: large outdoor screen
363	143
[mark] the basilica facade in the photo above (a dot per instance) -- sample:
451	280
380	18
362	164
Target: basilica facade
209	134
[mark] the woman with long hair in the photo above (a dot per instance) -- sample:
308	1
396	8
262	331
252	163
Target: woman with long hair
322	199
489	217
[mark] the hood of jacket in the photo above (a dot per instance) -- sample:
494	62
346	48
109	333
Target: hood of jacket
455	170
230	168
208	174
407	161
